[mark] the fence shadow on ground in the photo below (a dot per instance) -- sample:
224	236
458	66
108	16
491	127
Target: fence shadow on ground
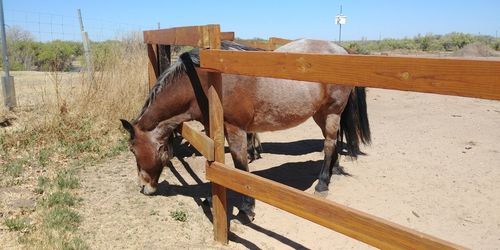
299	175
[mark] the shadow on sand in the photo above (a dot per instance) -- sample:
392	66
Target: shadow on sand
299	175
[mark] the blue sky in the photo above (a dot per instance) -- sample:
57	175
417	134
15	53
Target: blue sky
288	19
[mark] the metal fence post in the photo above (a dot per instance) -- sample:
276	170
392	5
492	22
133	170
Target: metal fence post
9	92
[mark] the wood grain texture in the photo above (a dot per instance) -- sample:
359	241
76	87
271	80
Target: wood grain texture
196	36
353	223
153	72
257	44
460	77
213	34
219	198
198	140
228	36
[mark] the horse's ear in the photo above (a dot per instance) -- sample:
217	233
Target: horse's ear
126	125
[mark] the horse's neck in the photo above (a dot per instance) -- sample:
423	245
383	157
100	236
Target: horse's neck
173	100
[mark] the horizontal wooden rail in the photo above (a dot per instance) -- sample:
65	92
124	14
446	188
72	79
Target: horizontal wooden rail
229	35
200	141
353	223
196	36
471	78
264	45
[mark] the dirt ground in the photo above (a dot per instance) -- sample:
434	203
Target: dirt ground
434	166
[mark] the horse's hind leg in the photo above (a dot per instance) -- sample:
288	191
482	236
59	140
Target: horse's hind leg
329	125
254	148
236	139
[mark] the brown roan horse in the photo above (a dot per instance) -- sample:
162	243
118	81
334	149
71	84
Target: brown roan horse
251	104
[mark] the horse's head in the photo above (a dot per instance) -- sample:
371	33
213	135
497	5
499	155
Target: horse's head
152	150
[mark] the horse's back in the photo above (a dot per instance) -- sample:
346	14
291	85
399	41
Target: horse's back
276	104
312	46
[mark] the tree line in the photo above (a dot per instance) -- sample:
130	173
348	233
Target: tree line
25	53
430	42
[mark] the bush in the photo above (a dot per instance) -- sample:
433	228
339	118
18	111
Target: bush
27	54
104	54
456	40
56	56
428	42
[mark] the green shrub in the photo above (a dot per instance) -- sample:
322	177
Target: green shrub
56	56
456	40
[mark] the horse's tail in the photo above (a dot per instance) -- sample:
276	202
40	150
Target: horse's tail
354	124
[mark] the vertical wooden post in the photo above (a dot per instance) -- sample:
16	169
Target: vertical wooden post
153	71
212	39
219	199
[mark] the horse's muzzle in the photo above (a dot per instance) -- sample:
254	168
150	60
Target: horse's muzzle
148	189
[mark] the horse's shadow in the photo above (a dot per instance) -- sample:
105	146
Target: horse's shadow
280	148
293	148
299	175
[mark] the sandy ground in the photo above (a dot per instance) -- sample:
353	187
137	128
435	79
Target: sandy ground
434	166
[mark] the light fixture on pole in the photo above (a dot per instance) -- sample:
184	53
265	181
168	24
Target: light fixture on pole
340	20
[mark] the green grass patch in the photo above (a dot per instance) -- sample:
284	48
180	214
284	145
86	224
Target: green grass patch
61	198
16	224
14	168
42	185
67	179
44	157
179	215
75	244
120	146
62	219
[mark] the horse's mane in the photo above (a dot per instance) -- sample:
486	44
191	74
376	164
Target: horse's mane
177	69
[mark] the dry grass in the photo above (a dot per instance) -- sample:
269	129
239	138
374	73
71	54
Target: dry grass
64	121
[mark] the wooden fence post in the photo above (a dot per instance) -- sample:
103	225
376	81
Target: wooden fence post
219	199
153	71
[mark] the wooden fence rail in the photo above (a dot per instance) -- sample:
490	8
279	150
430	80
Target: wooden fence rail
202	143
472	78
356	224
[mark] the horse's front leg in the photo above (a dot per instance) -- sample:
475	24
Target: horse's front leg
236	139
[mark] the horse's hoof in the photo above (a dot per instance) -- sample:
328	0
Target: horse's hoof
322	194
207	202
321	189
244	218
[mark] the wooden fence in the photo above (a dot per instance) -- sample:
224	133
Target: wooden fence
472	78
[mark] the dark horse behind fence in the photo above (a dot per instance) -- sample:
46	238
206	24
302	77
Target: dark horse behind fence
251	104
